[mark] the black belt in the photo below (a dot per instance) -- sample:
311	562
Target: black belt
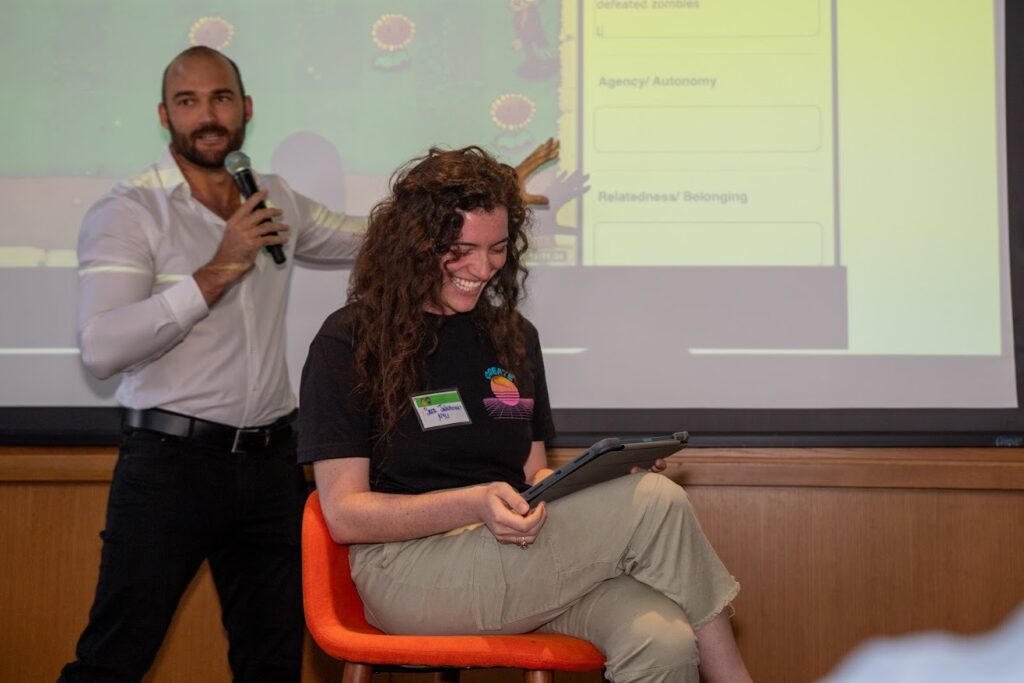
222	436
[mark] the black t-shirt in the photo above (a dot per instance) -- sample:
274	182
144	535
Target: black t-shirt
508	407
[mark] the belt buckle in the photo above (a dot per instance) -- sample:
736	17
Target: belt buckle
237	447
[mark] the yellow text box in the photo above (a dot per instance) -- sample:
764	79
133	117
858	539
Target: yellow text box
708	129
708	244
706	18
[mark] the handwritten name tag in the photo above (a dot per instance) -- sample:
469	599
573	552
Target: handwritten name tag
439	409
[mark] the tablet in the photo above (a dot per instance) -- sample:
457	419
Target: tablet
606	459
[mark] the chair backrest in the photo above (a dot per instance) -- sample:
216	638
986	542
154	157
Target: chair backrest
330	599
334	615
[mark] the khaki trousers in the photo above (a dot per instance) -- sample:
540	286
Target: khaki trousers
623	564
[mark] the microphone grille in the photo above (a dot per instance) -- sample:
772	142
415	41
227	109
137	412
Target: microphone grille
236	162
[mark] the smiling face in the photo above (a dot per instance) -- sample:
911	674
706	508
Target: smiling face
204	110
476	256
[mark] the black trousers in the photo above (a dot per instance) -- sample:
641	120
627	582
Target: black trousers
174	503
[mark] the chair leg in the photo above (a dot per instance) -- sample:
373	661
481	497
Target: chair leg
357	673
538	677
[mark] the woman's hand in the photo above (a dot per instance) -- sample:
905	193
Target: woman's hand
508	516
658	467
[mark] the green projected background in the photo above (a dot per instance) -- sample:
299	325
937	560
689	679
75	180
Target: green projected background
758	205
81	77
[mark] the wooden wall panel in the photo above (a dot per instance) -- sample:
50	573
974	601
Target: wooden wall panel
824	569
831	546
51	555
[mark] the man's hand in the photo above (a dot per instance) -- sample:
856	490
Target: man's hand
244	235
508	516
545	152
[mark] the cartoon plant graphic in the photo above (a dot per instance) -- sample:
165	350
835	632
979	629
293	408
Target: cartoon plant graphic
392	33
511	113
540	60
215	32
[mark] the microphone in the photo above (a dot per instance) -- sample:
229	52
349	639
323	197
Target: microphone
238	165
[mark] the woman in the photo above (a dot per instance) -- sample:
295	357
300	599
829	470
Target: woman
425	411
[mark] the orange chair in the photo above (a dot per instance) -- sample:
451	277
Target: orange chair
334	614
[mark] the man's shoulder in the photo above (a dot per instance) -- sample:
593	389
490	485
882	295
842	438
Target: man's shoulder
145	189
276	184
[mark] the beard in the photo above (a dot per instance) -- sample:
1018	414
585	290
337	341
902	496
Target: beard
184	144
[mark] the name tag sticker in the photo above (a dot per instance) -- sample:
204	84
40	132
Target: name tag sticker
439	409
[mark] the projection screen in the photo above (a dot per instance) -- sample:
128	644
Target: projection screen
783	218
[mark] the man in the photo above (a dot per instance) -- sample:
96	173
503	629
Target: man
177	292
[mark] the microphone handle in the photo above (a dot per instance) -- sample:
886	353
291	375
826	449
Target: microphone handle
247	186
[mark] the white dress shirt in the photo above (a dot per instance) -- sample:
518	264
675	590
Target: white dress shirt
140	312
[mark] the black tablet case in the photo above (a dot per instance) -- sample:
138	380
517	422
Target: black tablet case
606	459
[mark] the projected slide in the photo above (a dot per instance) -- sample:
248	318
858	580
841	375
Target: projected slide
794	204
729	114
707	132
772	185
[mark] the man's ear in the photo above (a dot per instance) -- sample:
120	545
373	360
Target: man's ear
248	109
161	110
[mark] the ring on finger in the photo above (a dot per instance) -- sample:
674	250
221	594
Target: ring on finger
521	542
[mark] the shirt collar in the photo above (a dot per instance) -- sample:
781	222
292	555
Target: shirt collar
167	175
163	176
171	178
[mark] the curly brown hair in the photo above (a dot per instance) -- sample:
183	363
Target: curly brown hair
396	275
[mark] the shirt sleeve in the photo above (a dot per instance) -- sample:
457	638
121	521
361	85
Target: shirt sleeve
326	237
121	323
543	422
332	421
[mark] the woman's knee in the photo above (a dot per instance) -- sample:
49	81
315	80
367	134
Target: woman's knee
663	641
660	491
644	635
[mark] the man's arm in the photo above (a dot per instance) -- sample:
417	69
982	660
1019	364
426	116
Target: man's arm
331	238
244	235
324	236
121	322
